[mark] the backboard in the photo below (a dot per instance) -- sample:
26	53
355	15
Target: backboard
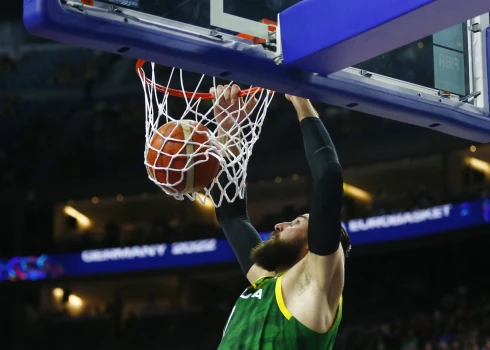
423	62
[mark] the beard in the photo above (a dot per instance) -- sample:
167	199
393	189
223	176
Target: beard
276	253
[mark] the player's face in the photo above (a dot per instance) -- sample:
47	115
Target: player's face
287	245
296	230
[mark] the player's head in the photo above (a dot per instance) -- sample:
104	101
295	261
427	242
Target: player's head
288	244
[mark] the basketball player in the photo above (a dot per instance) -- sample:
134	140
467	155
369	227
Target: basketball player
297	277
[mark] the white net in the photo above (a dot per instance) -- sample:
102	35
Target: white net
216	132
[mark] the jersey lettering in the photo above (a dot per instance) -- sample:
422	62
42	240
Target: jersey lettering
243	296
257	294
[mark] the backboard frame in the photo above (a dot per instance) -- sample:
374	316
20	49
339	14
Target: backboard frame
171	43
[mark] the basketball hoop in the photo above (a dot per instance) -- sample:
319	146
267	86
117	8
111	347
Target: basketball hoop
233	154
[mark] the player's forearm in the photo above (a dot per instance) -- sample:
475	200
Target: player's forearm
242	237
324	221
230	140
235	223
304	108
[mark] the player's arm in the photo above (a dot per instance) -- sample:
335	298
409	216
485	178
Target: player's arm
240	233
233	217
324	262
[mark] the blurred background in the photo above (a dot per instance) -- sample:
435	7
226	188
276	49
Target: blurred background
93	255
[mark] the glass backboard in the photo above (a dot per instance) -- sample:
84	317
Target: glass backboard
439	81
440	61
230	16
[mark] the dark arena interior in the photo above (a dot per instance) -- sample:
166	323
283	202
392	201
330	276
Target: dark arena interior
94	256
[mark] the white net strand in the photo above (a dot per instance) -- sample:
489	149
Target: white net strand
233	148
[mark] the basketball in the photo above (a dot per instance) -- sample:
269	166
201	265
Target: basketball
172	159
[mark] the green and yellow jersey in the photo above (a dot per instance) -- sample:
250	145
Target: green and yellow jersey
261	321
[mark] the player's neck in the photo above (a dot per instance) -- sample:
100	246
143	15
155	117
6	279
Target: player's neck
281	270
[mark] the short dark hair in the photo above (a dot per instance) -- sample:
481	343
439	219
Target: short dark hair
345	241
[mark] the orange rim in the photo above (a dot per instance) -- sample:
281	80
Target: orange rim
183	94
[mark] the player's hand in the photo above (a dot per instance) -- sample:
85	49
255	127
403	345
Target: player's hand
292	98
230	110
303	107
296	100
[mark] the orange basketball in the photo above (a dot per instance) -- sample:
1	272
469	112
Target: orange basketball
181	139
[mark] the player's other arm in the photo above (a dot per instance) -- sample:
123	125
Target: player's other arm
240	233
325	260
233	217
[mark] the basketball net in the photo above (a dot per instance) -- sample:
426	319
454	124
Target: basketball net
240	138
